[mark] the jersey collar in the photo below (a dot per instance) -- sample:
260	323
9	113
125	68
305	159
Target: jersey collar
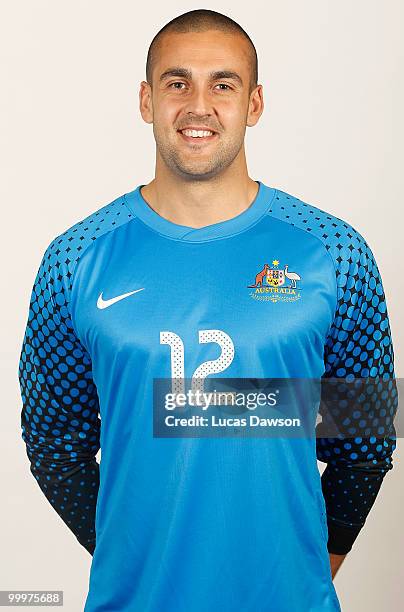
257	209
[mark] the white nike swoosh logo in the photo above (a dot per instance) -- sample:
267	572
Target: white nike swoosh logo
101	303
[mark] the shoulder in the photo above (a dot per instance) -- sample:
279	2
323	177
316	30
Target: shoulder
65	250
345	244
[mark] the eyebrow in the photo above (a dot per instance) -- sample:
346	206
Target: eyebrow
187	74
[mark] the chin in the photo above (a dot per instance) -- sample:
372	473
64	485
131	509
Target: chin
198	174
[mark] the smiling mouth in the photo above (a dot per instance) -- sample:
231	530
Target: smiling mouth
197	137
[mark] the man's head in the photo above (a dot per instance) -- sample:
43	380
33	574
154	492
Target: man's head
201	72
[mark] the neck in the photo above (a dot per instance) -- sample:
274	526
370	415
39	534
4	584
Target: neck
200	203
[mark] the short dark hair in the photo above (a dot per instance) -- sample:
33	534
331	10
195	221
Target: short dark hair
201	20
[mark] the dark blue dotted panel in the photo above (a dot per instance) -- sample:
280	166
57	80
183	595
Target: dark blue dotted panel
358	346
60	412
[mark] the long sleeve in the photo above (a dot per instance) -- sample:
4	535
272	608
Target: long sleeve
359	345
60	410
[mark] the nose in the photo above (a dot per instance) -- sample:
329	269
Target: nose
199	102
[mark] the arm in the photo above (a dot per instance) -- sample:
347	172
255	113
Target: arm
59	416
358	346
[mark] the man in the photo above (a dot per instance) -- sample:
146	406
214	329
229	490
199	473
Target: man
162	283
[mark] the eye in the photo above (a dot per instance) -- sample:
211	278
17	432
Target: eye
173	85
176	83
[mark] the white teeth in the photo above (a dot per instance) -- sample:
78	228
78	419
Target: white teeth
197	133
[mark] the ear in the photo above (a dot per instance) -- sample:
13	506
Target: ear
146	102
255	106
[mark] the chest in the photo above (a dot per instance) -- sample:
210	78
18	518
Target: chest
251	307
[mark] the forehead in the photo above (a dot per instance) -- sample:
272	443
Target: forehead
203	51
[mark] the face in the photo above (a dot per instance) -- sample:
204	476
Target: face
201	81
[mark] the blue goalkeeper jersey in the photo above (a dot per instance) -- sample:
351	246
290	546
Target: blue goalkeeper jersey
202	524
